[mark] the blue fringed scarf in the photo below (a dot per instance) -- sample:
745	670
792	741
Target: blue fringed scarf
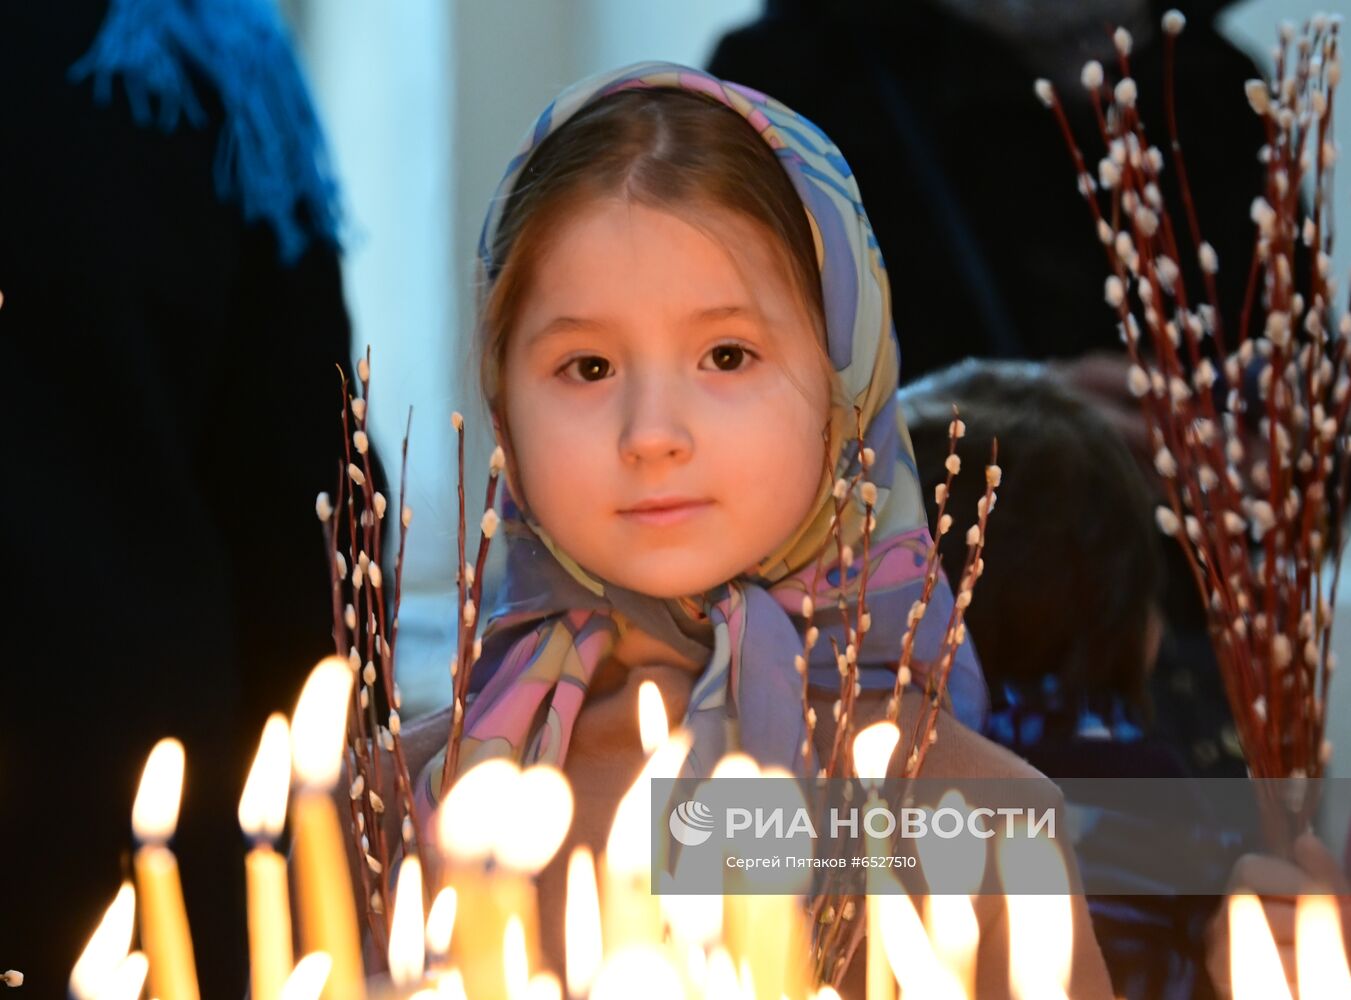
271	159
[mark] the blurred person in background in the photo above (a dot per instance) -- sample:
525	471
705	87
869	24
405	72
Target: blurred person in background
991	251
172	317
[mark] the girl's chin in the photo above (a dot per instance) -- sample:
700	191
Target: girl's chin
667	578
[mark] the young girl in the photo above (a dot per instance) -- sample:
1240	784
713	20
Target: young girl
682	304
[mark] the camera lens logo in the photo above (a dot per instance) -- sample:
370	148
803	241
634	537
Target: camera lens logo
691	823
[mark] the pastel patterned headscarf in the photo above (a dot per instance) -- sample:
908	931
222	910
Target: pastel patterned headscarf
554	621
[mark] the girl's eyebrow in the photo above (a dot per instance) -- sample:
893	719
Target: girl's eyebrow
569	324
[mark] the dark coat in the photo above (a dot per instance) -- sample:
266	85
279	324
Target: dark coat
172	411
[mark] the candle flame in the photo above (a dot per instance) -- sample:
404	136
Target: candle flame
154	814
696	967
307	979
627	851
515	963
544	986
1254	964
406	946
912	959
954	929
1320	956
262	807
952	864
747	979
441	922
735	765
1041	923
581	923
107	946
695	919
826	993
128	979
721	979
536	819
451	986
873	747
319	724
653	727
638	971
470	818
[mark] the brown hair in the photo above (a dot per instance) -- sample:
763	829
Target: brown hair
664	148
1072	553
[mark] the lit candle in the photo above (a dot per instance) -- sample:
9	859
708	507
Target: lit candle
696	920
512	821
440	927
515	965
407	934
638	970
262	814
912	959
128	979
1041	924
107	946
164	920
767	928
1320	954
1254	964
307	979
653	726
323	892
451	986
720	978
873	747
739	930
544	986
954	868
630	914
955	935
467	823
521	985
581	924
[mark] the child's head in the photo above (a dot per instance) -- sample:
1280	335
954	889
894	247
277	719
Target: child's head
681	296
1072	567
653	327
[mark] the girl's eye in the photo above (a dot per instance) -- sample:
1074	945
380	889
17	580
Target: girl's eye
730	357
591	368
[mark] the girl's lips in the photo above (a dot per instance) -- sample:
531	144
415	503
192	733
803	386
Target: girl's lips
660	516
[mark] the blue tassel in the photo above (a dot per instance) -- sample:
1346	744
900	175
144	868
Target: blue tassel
271	159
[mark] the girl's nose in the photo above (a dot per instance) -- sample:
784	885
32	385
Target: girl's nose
654	422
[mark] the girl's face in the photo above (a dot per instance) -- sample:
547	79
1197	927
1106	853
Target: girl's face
650	366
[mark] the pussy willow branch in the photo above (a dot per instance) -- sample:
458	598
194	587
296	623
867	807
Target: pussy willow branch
931	569
841	751
839	926
356	742
925	732
362	623
839	761
810	632
363	628
359	754
843	707
380	636
1270	623
467	646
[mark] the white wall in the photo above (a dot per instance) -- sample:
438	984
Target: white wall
382	81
